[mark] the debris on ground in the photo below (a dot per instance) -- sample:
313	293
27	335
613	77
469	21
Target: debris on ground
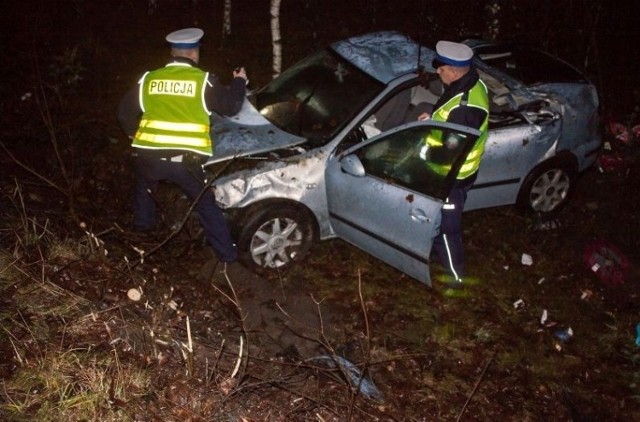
358	382
606	261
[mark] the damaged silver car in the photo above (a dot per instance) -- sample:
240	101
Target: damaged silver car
331	148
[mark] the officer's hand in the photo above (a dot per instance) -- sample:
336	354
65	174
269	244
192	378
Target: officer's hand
239	72
424	116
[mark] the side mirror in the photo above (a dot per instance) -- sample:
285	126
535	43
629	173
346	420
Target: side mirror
352	165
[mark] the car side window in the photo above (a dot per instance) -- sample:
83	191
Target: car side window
407	159
394	111
403	107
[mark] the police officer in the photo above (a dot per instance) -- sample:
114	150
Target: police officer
464	101
167	116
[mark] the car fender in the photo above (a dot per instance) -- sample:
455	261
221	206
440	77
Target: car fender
299	179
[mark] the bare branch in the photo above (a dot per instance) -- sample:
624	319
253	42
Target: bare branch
48	181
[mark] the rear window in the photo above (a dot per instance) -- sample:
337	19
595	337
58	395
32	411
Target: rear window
529	66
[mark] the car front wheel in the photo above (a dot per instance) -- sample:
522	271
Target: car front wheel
274	235
548	187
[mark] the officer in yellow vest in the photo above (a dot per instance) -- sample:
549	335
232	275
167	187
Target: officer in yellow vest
464	101
167	116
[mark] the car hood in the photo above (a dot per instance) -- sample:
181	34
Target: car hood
246	133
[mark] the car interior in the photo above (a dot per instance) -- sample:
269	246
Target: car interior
506	109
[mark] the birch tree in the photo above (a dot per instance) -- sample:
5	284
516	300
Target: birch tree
275	37
226	20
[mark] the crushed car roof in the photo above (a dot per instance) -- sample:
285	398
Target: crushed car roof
385	55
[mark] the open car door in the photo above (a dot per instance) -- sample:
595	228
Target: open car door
385	195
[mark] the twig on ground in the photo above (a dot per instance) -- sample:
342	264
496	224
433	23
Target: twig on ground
243	318
235	369
15	349
475	387
367	352
284	296
189	352
236	302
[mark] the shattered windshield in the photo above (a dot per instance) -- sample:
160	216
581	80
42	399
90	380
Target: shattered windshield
316	97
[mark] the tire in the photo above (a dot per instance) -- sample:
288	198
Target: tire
548	187
273	236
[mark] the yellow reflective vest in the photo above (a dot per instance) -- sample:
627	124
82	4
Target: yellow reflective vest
174	112
477	97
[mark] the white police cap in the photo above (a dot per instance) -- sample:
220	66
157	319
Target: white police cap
452	54
185	38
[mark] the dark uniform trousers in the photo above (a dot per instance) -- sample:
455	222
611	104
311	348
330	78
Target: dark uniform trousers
150	169
448	244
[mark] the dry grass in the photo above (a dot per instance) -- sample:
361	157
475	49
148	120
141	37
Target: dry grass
52	376
73	385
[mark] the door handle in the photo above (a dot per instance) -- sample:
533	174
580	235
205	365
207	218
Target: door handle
419	216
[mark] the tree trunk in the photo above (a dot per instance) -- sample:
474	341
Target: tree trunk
226	20
275	37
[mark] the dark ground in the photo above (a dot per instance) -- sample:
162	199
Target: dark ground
68	64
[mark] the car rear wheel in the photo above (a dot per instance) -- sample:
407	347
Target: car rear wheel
548	187
274	236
